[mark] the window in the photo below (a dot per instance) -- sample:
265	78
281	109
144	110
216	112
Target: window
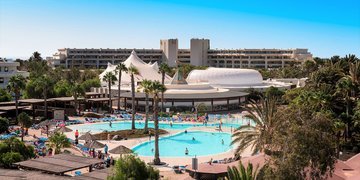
1	80
6	69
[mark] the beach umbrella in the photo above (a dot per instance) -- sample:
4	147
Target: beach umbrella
121	150
47	122
87	137
63	129
94	144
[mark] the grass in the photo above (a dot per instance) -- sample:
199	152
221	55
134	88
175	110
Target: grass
129	134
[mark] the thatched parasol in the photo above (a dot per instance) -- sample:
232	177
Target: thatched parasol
87	137
63	129
94	144
47	123
121	150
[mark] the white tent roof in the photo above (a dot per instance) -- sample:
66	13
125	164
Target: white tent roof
147	71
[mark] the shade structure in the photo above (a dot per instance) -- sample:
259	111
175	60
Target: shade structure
94	144
47	122
121	150
87	137
63	129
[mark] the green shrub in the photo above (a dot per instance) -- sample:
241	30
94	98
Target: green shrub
131	167
7	159
4	124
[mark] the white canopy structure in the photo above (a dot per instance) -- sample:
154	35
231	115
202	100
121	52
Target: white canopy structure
233	79
146	71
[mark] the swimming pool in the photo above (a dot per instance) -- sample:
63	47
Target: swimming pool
121	125
100	127
205	143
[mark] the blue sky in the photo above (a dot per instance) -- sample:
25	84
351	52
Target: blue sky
326	28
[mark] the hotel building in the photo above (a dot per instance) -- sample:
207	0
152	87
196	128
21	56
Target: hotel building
199	54
7	70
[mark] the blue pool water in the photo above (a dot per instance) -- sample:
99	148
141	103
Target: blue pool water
100	127
205	143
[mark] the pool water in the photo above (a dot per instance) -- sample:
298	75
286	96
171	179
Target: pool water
100	127
205	143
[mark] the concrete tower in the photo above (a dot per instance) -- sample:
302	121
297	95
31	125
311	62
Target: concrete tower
170	51
199	52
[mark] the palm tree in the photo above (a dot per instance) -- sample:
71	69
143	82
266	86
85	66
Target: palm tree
25	122
259	136
59	141
145	86
120	68
155	88
240	173
44	84
354	71
163	69
77	90
16	84
110	78
133	71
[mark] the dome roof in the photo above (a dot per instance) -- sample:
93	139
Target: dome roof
226	77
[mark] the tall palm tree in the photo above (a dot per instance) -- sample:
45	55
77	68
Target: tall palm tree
240	173
16	84
155	88
110	78
119	69
44	84
163	69
354	71
145	86
25	122
133	71
259	136
76	90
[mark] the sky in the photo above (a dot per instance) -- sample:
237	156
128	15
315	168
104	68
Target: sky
325	27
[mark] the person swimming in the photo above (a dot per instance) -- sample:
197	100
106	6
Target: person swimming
222	141
186	151
110	124
193	139
185	131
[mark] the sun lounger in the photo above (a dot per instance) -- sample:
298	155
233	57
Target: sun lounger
177	169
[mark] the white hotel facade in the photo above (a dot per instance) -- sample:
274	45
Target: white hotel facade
199	54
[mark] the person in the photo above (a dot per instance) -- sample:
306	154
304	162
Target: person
149	136
106	148
152	150
50	151
108	161
210	161
47	130
186	151
110	124
222	141
185	131
76	134
93	153
112	162
108	137
193	139
170	124
99	154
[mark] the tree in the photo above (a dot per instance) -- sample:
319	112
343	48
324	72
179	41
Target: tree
62	88
260	136
59	141
131	167
110	78
306	145
4	96
16	146
16	84
155	88
163	69
89	83
25	122
44	84
240	173
76	90
120	68
4	125
145	86
133	71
